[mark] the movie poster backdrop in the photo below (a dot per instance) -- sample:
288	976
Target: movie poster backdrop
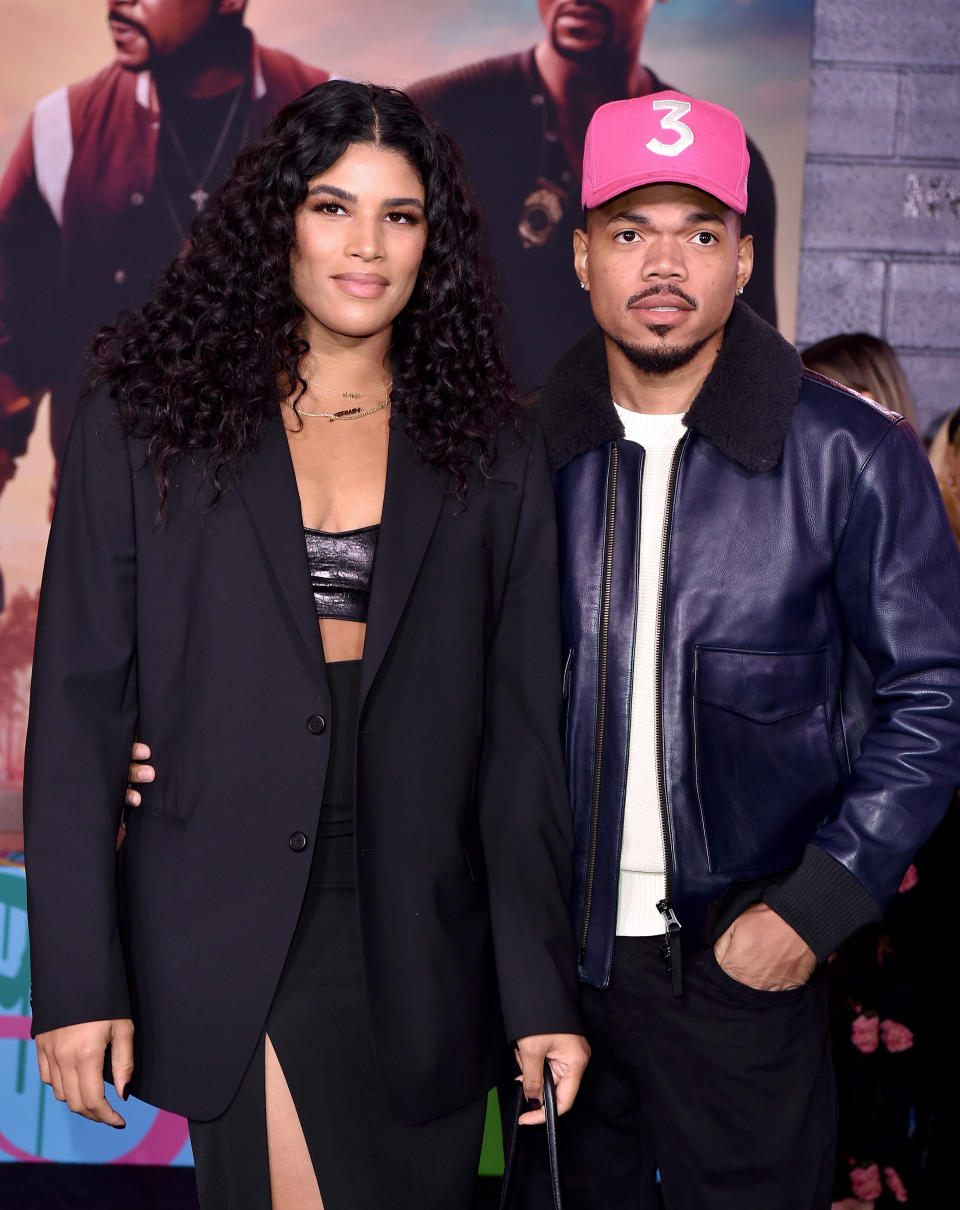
98	186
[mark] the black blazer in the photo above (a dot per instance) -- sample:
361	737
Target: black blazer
201	635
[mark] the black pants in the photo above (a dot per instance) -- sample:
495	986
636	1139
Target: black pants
726	1090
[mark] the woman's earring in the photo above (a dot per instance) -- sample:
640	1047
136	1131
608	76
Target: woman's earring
583	284
739	289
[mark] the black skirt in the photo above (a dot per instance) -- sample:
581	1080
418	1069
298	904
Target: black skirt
319	1026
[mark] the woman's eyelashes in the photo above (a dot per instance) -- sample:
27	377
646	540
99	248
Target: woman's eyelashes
401	217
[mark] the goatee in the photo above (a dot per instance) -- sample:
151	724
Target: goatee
664	359
595	53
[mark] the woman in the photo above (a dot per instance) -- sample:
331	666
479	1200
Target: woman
945	460
866	364
313	400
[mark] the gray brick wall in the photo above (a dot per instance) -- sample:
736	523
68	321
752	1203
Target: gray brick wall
881	211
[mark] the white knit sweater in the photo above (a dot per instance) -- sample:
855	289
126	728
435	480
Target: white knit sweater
642	883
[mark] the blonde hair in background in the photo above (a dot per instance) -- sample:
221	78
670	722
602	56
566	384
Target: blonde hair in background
945	460
868	365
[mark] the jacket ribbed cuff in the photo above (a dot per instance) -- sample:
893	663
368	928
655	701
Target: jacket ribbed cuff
822	901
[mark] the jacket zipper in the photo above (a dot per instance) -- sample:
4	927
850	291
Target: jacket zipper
670	950
605	591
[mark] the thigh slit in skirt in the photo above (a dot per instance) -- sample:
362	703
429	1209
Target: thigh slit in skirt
319	1027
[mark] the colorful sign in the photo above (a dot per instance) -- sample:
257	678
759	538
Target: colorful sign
34	1125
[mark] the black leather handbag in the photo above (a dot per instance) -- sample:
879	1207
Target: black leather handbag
513	1160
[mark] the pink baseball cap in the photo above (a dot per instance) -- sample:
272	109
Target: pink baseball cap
665	136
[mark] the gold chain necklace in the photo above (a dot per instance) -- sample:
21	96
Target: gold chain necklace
319	386
344	414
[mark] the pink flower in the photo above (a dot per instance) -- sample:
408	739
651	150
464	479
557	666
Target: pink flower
894	1183
910	880
866	1183
865	1033
895	1037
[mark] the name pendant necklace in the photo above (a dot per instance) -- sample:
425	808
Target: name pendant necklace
354	413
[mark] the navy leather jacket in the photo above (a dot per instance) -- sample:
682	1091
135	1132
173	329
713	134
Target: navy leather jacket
809	644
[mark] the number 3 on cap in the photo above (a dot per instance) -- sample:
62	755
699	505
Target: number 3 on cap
671	121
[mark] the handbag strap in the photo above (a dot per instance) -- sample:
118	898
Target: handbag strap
511	1165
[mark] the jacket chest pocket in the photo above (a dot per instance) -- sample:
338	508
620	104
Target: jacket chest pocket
765	764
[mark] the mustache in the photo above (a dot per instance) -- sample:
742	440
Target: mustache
654	291
119	18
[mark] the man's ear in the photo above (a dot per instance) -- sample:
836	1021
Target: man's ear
744	260
581	243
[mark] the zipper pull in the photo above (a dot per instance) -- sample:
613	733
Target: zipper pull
670	950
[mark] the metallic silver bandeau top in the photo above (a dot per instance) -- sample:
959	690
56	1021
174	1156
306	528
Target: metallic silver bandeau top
341	567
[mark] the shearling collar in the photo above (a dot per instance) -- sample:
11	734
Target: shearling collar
743	408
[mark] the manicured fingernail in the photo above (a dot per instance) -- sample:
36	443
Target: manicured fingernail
533	1102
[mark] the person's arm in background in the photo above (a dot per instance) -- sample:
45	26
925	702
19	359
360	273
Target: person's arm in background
30	253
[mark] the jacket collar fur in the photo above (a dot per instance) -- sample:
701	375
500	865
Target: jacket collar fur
743	408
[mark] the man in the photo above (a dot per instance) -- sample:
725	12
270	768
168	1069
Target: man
520	120
101	190
762	682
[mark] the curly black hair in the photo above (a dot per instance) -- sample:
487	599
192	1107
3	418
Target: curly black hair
203	365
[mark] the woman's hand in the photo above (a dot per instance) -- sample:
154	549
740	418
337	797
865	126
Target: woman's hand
138	773
567	1054
71	1062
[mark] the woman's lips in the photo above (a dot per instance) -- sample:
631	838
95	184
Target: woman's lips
361	285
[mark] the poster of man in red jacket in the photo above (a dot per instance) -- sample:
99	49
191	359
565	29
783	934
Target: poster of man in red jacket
103	184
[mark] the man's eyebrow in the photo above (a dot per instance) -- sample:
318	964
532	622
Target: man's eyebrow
641	220
629	216
388	203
